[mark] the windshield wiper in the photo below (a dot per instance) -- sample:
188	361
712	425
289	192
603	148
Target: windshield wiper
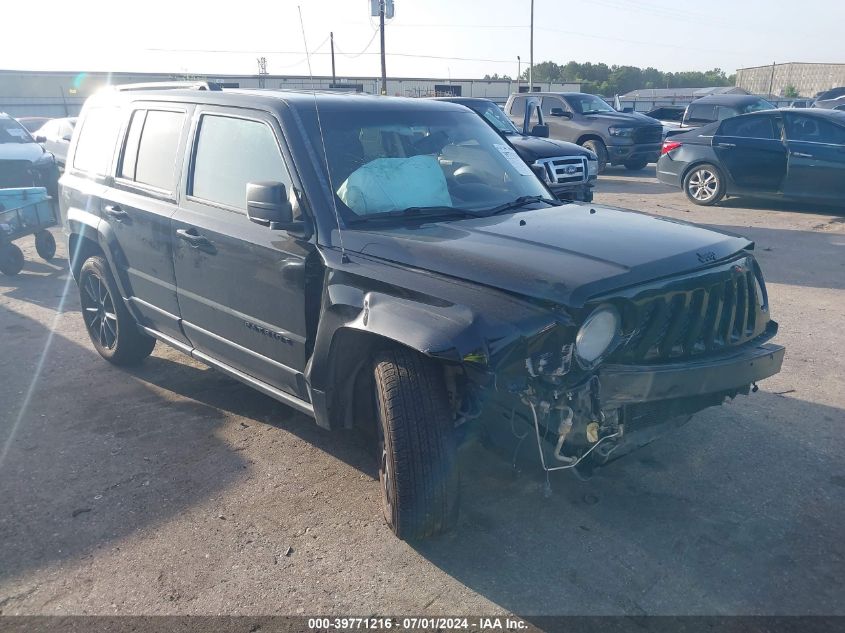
416	213
521	202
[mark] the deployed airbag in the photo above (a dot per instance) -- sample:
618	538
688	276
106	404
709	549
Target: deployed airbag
388	184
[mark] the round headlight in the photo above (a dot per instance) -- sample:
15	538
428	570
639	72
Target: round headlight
597	334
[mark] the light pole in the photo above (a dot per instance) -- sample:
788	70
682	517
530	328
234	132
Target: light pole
531	60
518	72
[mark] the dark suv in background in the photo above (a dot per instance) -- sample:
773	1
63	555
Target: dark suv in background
569	170
391	264
718	108
616	138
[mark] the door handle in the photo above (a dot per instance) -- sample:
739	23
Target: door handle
801	155
114	211
726	145
195	240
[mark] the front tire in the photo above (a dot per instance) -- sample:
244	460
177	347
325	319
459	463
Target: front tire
418	465
704	185
112	329
600	150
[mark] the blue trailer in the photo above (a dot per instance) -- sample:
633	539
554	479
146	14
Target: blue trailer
25	211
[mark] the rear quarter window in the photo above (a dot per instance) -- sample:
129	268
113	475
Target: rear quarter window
518	106
97	140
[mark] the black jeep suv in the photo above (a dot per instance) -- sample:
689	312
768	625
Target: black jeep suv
389	263
617	138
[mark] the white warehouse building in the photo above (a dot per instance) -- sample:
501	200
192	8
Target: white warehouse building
57	94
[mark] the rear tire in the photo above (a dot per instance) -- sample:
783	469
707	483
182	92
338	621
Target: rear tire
635	165
600	150
704	185
45	245
11	260
417	457
112	329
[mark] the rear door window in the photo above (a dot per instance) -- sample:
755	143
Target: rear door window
97	140
157	150
760	127
231	152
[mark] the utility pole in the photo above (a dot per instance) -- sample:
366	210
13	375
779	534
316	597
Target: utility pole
331	39
518	72
531	60
383	65
772	79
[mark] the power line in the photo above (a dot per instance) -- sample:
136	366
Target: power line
366	48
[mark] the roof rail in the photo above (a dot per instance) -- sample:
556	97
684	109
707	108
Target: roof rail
170	85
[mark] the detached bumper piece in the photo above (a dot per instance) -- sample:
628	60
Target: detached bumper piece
627	384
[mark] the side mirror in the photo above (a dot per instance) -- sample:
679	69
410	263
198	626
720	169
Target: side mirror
560	112
267	204
541	131
40	139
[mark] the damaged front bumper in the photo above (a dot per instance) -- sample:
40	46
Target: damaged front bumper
622	407
626	384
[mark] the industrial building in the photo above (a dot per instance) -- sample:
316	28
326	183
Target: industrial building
57	94
808	79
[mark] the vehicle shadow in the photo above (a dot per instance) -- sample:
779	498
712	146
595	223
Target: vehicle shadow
793	206
214	389
75	476
731	514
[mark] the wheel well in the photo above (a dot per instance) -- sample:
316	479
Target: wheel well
81	248
590	137
351	379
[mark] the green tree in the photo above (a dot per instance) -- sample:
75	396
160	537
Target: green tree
791	92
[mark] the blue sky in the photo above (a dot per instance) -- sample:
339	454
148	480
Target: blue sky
478	37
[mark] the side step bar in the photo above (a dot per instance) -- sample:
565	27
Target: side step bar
285	398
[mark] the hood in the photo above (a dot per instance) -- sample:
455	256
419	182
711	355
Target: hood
21	151
566	254
634	119
531	148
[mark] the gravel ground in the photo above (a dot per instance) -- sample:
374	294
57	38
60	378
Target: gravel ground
171	489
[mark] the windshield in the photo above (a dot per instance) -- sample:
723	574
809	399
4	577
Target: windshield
13	132
761	104
497	118
392	161
588	104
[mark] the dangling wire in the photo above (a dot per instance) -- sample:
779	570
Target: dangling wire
343	256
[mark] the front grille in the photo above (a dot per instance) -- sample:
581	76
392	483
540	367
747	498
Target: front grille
649	134
564	170
720	312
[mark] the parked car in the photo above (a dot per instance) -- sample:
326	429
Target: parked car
32	123
616	138
23	162
797	153
389	263
833	103
669	117
569	170
55	137
717	108
829	99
